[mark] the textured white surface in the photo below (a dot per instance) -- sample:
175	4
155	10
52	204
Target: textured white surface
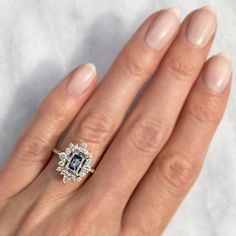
41	40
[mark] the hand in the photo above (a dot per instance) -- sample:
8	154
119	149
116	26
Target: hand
146	163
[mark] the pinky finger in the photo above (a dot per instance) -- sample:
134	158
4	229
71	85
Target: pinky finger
33	148
176	168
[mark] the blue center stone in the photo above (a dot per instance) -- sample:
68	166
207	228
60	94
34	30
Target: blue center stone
76	162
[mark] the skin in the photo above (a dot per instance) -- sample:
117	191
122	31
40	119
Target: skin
123	197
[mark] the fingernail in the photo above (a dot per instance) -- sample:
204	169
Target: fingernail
201	26
218	72
163	28
81	79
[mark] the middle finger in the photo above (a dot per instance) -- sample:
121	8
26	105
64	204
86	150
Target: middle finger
150	124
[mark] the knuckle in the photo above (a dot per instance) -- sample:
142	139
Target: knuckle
136	229
150	226
179	170
85	222
82	223
146	135
31	149
94	128
181	68
205	113
135	66
54	110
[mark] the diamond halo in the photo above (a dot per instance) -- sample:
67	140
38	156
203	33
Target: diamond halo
75	162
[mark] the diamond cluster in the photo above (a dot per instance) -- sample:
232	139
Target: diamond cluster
75	162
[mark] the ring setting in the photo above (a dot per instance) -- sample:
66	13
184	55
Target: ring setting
75	162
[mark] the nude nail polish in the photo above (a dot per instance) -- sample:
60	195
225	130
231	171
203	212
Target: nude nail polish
217	73
163	28
81	79
201	26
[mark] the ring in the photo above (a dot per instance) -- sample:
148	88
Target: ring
75	162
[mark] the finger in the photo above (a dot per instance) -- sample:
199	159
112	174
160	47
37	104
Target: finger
105	110
151	122
33	149
174	171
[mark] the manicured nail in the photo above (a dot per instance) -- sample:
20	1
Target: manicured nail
218	72
201	26
163	28
81	79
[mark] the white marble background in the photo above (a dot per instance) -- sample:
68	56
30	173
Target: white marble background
41	40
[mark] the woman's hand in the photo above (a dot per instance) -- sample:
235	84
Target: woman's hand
146	163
